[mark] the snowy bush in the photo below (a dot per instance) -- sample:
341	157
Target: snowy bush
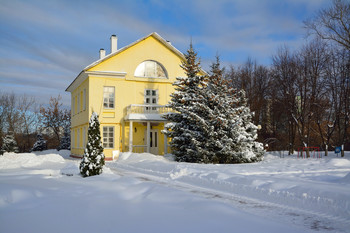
40	143
9	144
93	160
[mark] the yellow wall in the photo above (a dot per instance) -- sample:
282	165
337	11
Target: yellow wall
128	90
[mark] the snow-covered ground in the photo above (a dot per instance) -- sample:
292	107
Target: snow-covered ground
44	192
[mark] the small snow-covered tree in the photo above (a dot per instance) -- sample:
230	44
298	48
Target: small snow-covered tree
9	144
65	142
40	144
94	159
187	128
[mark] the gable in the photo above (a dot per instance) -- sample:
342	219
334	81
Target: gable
149	48
123	62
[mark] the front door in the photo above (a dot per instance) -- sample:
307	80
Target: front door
153	141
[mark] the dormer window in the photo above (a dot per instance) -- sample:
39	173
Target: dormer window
150	69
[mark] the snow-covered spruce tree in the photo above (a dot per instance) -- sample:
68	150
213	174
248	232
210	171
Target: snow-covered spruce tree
40	143
94	159
222	117
247	149
188	129
65	141
9	144
234	134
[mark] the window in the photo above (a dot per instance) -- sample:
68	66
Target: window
150	69
108	137
73	138
78	105
73	106
84	100
108	97
81	101
151	98
84	137
78	138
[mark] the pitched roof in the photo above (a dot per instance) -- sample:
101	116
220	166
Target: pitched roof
154	34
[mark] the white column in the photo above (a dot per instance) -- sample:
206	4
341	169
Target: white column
147	137
130	136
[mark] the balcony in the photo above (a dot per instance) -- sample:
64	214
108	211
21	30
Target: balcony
143	112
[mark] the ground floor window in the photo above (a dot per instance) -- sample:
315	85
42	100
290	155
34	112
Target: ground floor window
108	137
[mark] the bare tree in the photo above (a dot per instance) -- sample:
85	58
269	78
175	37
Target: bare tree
311	63
254	79
18	115
28	112
55	118
332	24
10	112
286	94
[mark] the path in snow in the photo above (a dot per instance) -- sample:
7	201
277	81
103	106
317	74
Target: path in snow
313	212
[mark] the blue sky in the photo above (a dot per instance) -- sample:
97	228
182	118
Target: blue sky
44	44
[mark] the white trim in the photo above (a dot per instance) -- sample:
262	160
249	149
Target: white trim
85	74
107	73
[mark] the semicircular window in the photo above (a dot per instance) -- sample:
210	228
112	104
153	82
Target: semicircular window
150	69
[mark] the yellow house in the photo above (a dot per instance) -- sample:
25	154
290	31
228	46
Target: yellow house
128	89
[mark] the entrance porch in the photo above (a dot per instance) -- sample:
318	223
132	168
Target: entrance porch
145	129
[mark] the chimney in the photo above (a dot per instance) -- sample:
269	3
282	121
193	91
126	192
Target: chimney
102	53
114	43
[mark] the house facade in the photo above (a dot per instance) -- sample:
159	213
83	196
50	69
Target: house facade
128	89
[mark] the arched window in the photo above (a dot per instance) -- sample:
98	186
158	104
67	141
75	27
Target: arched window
150	69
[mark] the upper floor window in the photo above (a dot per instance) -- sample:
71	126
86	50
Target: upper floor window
108	97
150	69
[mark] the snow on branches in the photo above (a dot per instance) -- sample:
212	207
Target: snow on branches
211	122
94	159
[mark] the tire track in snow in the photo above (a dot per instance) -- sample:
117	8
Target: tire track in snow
311	220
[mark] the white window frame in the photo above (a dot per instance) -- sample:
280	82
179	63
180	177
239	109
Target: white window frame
150	96
106	96
148	69
106	139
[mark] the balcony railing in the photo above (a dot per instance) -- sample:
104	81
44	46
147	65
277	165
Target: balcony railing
145	111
